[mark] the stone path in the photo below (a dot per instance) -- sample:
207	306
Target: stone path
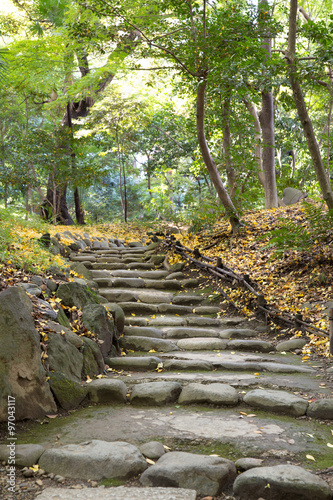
197	398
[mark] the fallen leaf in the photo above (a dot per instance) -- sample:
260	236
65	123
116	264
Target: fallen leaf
151	462
310	457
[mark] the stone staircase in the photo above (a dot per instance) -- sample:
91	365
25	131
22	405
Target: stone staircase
202	395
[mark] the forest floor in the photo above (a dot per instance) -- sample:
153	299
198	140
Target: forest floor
297	281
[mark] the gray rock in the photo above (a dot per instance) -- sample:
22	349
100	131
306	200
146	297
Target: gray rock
175	276
323	408
67	392
107	391
186	332
100	244
250	345
63	357
163	284
94	460
248	463
51	285
216	394
138	307
37	280
141	331
171	321
81	269
128	283
74	294
31	288
82	258
26	455
46	310
153	450
187	364
190	283
118	493
237	333
69	335
202	344
155	393
185	300
277	401
292	196
118	316
95	318
22	375
198	321
115	296
157	259
207	475
291	345
174	309
137	363
289	482
93	362
147	344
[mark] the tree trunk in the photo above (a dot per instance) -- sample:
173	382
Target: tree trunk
254	113
208	160
230	171
302	110
125	192
79	212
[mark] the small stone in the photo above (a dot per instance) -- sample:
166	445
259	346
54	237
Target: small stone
59	479
39	482
153	450
94	484
28	473
247	463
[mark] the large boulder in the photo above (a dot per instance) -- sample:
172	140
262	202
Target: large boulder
207	475
63	357
289	482
95	318
22	375
73	294
68	393
292	196
93	361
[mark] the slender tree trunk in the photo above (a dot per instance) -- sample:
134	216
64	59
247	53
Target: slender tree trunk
6	194
230	171
125	192
79	212
254	113
27	198
302	110
208	160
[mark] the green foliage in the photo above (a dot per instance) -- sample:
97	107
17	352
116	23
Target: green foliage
292	235
203	215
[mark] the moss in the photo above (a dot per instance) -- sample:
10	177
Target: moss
112	482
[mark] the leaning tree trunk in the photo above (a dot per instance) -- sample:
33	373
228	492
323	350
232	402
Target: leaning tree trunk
79	212
208	160
302	110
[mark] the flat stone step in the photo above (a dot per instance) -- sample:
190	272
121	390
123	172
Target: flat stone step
185	300
155	393
147	344
199	321
140	294
187	364
109	259
115	295
130	260
185	332
83	258
133	363
108	266
250	345
174	309
138	307
140	265
202	344
277	402
141	331
126	273
107	391
112	251
118	493
207	310
216	394
237	333
99	274
127	282
163	284
263	366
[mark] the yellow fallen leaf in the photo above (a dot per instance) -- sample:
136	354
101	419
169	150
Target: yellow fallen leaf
88	380
151	462
310	457
100	376
330	445
153	316
152	350
243	413
34	468
133	314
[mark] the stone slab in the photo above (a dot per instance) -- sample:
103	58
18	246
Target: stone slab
134	363
94	460
186	332
277	401
118	493
155	393
251	345
147	344
216	394
202	344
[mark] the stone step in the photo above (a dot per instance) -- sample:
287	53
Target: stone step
147	344
163	284
108	266
123	273
141	265
118	493
187	300
210	310
109	259
141	331
127	283
138	307
133	363
141	294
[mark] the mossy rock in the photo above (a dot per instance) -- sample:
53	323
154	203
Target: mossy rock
74	294
118	316
67	393
62	318
93	362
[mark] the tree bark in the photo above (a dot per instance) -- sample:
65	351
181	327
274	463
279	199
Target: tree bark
266	117
230	171
79	212
208	160
302	110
